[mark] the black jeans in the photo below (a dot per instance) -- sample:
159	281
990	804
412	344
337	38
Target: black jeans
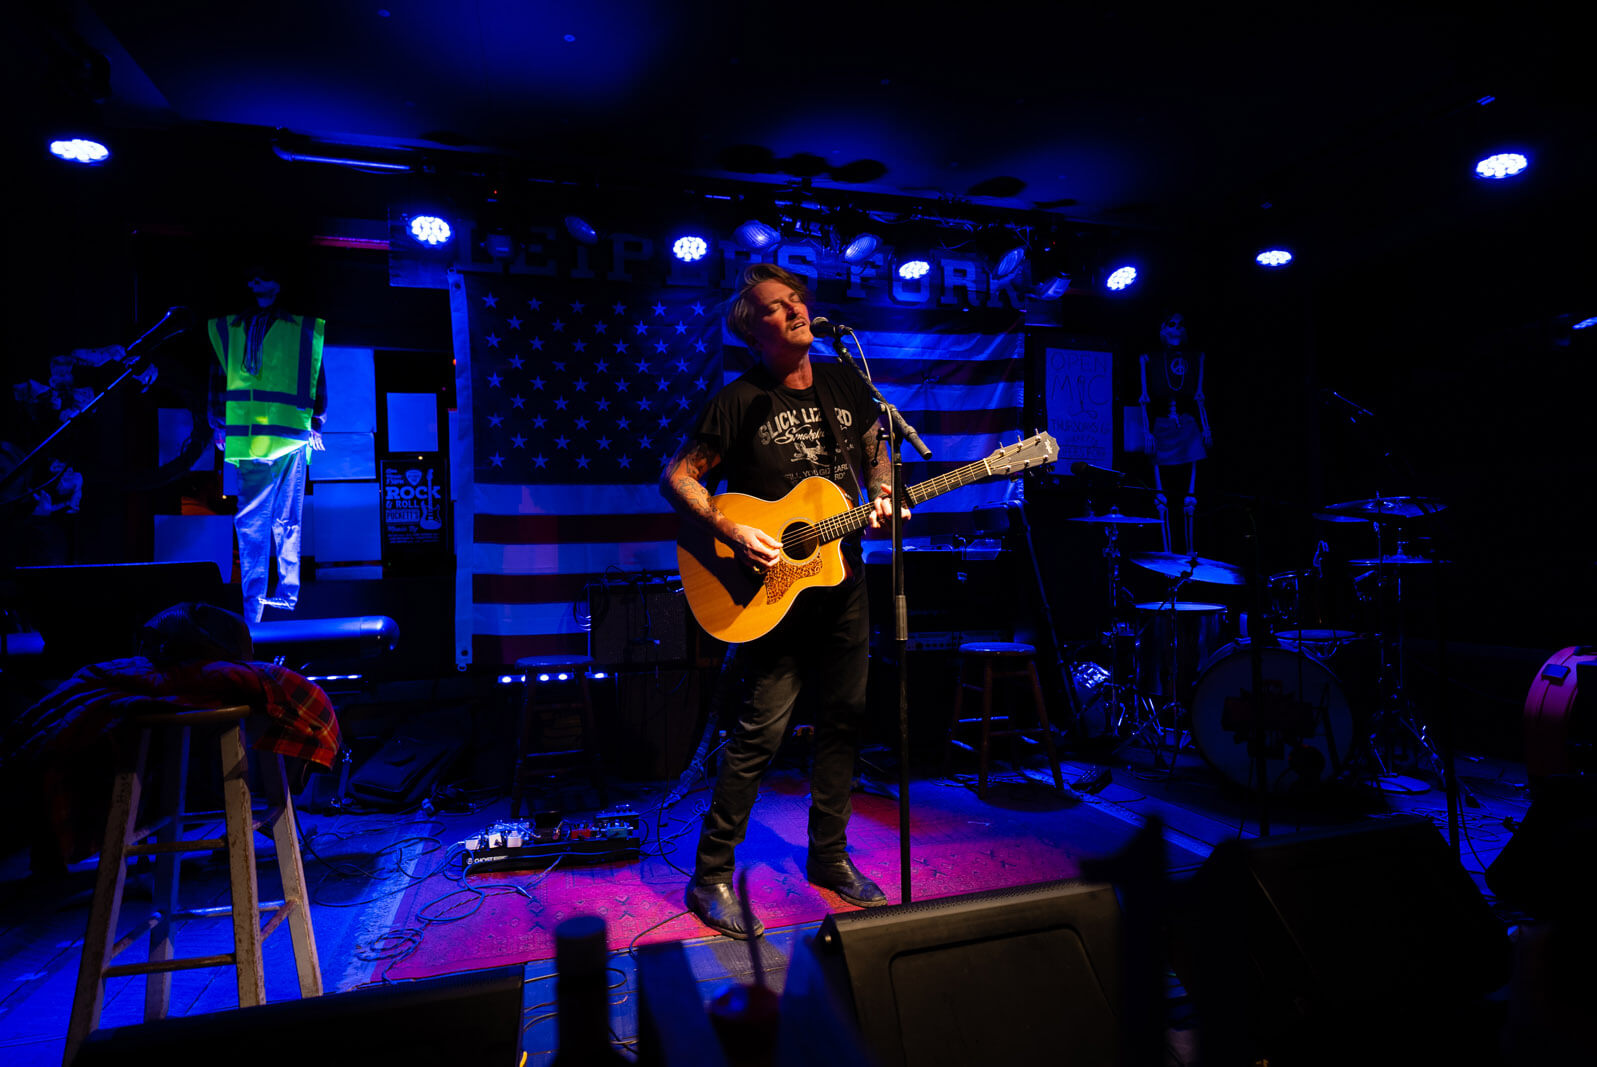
824	642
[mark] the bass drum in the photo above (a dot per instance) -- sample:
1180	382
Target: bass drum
1307	724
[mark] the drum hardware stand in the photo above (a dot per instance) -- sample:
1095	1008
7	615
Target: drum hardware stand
1132	713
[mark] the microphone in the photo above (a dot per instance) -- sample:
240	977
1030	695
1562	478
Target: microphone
1082	469
821	326
1354	411
175	321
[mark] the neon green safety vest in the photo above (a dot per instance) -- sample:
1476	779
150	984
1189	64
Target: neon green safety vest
269	415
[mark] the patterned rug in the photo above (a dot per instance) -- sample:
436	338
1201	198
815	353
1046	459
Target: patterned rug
1024	832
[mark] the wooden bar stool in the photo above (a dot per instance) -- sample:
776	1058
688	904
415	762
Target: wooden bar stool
557	724
1000	661
164	840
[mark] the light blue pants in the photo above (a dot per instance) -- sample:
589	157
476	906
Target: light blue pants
271	499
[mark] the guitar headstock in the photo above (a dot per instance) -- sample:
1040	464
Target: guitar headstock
1023	455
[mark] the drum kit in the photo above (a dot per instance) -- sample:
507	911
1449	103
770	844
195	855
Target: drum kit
1330	644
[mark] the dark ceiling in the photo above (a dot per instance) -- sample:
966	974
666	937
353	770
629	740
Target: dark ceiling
1350	133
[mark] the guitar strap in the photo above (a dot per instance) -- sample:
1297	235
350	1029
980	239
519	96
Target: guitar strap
824	394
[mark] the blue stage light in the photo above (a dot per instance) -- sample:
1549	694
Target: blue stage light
1121	278
430	230
860	248
690	248
80	150
1501	165
581	229
1274	257
911	269
754	235
1585	324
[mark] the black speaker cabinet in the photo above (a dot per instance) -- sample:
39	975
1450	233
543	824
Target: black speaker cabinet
639	623
1010	976
473	1017
1297	945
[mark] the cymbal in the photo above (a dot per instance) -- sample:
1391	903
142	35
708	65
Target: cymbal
1196	568
1396	559
1113	517
1387	507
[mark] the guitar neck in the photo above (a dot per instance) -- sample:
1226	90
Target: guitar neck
846	522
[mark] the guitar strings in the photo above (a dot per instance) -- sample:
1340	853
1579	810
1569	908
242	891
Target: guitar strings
846	522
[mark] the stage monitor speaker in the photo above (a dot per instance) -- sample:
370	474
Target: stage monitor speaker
1023	975
637	623
1331	935
473	1017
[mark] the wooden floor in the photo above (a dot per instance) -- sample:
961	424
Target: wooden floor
360	866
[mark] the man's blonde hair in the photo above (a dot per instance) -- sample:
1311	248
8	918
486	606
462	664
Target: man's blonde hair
743	312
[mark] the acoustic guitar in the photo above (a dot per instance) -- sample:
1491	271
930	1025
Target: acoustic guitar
736	603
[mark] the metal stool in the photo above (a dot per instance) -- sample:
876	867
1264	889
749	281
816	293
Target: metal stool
549	739
1000	660
123	840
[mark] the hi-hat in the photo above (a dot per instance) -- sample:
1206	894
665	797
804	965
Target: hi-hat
1113	516
1194	568
1386	507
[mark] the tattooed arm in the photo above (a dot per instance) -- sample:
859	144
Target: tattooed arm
682	485
879	476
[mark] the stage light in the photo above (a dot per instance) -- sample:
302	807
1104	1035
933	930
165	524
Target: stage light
1273	257
1010	263
581	229
861	247
598	676
1585	324
754	236
543	677
430	230
1501	165
690	248
1121	278
80	150
911	269
1052	287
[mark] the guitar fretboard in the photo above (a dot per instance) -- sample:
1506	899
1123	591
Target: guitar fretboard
846	522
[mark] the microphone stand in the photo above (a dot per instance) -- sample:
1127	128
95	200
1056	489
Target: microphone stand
130	366
896	430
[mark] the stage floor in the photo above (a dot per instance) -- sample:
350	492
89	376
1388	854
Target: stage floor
390	901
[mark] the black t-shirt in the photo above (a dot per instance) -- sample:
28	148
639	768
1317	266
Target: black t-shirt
770	437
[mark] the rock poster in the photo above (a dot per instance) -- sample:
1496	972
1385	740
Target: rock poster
415	498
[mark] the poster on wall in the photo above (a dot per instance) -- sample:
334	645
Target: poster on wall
414	499
1080	405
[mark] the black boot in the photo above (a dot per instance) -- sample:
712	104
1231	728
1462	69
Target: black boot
717	907
843	878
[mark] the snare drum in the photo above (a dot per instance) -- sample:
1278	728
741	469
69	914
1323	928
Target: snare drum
1308	726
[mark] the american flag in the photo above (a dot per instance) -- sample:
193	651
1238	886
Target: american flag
581	392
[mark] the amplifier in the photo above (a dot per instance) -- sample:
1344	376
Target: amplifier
637	623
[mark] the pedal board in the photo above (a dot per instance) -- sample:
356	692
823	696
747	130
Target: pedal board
520	845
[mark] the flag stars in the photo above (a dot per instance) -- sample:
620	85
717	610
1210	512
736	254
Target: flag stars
682	403
621	347
540	461
513	322
562	441
560	403
516	440
640	328
602	404
559	365
698	308
664	421
497	460
698	345
659	310
582	462
645	442
537	383
580	385
619	308
538	421
534	303
601	365
579	346
624	462
621	385
643	403
599	327
493	381
603	443
495	420
537	344
558	326
489	300
642	365
699	385
660	346
576	307
680	327
516	361
623	422
518	402
582	423
661	385
681	365
493	341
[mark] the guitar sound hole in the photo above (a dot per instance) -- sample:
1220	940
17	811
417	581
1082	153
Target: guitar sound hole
800	541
